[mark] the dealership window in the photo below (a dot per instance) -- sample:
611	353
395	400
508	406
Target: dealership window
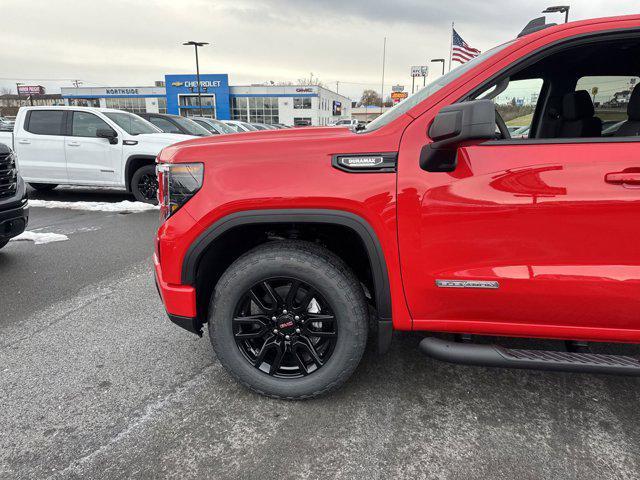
208	101
189	105
87	124
162	105
128	104
84	102
303	103
255	109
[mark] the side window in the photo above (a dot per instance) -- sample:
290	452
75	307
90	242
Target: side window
610	96
516	104
164	125
45	122
86	124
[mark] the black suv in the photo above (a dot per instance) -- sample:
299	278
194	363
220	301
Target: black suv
14	211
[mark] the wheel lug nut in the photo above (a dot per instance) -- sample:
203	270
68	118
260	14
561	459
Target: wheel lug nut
296	317
297	330
275	330
274	318
287	337
284	312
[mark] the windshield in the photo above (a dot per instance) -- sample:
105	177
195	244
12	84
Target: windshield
190	126
430	89
214	125
132	124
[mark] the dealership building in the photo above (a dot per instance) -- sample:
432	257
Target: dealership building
178	94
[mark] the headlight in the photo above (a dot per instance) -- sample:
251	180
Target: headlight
177	184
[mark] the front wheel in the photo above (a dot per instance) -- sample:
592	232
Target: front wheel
144	184
289	320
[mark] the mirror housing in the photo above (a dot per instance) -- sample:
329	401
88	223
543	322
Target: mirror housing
454	125
108	133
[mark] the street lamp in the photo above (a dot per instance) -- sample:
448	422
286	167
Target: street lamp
437	60
559	9
196	45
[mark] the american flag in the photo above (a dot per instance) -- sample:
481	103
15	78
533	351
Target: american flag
461	51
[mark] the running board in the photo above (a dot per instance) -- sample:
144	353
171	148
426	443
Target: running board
495	356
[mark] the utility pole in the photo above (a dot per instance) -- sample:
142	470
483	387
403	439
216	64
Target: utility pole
337	87
196	45
384	59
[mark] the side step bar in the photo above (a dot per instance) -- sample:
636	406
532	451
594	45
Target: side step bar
495	356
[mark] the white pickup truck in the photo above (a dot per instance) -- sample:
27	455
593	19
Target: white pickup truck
87	146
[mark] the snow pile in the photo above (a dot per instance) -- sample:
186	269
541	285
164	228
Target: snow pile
124	206
40	238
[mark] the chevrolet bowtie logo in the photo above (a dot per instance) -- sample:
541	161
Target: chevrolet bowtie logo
177	84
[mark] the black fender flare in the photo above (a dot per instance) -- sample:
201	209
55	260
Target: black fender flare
336	217
127	166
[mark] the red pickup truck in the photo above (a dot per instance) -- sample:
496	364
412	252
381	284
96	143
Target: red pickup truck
297	245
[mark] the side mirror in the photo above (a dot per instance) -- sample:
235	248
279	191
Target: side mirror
108	133
453	126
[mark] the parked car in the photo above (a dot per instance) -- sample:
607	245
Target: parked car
346	122
14	210
215	127
175	124
426	220
520	132
264	126
240	127
6	120
87	146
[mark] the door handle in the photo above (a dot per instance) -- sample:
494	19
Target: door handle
73	144
619	178
24	141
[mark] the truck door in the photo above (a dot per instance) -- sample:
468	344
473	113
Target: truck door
39	145
525	237
91	159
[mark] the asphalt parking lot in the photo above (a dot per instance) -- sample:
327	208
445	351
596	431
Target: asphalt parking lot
97	383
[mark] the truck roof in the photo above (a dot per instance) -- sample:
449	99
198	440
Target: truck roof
69	107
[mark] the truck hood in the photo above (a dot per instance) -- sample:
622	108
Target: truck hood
306	133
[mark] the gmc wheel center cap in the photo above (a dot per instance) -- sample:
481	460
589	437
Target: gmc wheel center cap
286	324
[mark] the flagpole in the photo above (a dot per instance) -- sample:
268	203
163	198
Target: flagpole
451	46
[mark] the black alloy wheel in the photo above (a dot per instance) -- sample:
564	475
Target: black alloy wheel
289	319
144	184
285	328
148	186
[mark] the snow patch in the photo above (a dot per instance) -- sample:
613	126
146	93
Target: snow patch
40	238
124	206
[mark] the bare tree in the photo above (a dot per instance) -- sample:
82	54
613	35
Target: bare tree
370	98
311	81
5	91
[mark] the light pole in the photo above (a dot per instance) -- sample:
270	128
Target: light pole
439	60
196	45
559	9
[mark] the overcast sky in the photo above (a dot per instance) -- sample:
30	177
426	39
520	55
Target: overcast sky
134	42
